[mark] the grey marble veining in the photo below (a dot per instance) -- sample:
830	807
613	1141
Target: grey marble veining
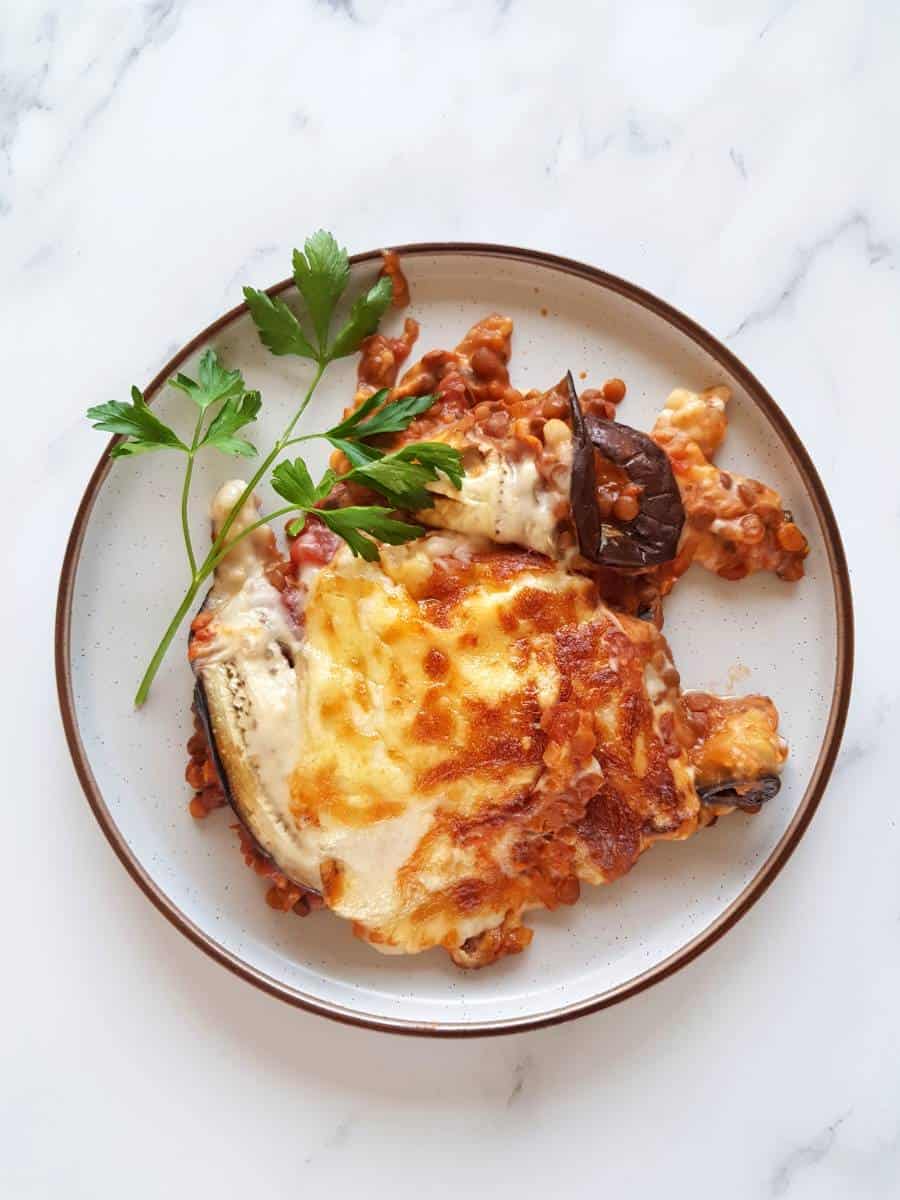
802	1158
737	158
856	226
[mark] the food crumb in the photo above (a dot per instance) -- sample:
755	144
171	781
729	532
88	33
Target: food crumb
736	674
544	312
582	374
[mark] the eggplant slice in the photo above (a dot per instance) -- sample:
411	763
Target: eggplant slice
652	537
234	690
204	708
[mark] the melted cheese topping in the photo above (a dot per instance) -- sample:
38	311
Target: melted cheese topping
741	742
409	749
413	699
507	500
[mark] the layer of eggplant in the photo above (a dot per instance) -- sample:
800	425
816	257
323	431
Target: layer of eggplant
246	689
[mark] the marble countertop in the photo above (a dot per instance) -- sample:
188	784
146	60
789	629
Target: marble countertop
738	159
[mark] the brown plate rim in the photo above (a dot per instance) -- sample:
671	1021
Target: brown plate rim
766	873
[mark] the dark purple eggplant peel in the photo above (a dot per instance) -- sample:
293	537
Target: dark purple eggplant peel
201	708
652	537
747	796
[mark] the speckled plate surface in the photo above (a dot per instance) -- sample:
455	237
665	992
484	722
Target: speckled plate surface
124	569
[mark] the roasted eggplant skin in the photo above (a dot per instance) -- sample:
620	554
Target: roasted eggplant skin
205	708
749	796
652	537
201	708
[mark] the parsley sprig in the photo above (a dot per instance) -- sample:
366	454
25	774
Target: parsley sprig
217	391
225	406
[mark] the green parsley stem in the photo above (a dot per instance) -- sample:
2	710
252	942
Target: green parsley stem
185	492
160	652
320	370
304	437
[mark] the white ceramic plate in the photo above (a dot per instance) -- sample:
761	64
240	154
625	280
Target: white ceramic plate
124	568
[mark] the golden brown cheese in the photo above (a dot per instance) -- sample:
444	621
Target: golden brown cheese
738	737
423	684
457	734
730	739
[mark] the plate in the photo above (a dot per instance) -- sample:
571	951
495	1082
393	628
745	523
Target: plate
124	568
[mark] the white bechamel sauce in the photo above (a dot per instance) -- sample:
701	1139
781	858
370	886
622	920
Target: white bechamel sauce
256	638
506	500
251	620
245	559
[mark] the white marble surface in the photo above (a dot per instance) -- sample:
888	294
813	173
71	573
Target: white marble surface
739	159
